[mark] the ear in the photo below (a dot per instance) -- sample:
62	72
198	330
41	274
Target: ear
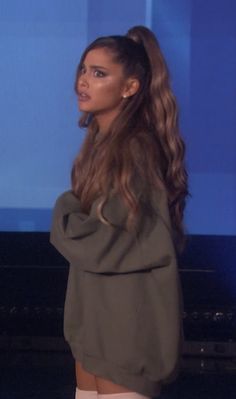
131	87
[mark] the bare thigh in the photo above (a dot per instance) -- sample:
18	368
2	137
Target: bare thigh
85	380
90	382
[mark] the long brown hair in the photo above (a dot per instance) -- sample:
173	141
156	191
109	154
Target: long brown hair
143	146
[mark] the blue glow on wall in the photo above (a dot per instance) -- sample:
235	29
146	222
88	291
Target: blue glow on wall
41	43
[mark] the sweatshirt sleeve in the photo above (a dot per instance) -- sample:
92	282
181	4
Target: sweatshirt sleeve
99	248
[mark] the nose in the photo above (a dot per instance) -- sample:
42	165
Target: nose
83	81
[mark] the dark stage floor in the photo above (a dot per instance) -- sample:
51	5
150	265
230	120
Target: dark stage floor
51	376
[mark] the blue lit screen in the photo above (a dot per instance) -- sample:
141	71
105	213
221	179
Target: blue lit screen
41	43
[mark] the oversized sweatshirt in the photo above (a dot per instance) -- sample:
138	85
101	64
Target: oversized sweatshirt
123	307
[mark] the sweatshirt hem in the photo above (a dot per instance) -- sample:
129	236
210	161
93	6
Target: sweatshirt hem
107	370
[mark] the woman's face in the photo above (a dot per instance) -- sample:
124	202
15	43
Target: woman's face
101	86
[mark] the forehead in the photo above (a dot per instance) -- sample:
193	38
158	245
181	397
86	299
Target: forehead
101	57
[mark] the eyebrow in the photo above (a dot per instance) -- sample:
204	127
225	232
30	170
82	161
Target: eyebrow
97	67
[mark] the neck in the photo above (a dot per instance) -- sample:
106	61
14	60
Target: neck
104	121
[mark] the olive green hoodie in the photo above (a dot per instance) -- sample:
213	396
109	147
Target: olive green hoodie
122	315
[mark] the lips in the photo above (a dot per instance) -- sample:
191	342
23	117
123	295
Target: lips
83	96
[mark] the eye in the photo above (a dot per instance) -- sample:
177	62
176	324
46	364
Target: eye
82	70
99	74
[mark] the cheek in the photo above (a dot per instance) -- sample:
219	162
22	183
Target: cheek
109	87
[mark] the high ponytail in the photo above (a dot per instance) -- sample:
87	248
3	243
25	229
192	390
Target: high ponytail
143	143
163	117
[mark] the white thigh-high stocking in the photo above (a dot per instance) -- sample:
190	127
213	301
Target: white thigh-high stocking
123	395
81	394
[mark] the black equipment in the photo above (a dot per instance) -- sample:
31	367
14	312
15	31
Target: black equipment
33	279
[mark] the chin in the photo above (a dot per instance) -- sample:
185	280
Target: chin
83	108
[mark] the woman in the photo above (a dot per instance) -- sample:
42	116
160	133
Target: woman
122	222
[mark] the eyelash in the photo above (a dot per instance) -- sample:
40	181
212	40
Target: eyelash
97	73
